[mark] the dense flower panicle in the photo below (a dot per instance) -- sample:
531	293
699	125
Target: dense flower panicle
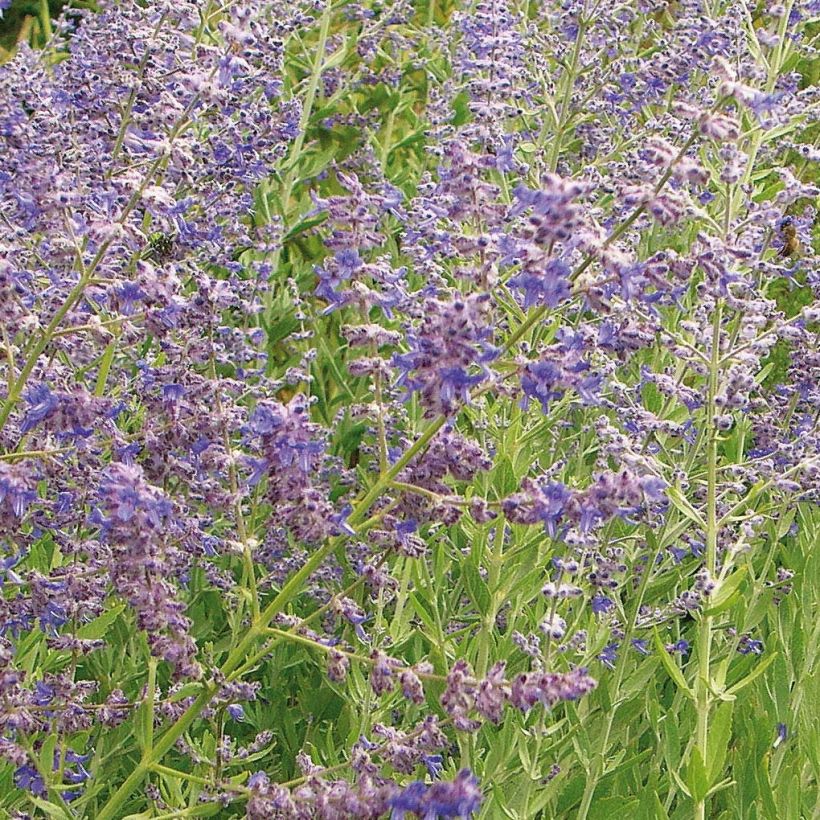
293	456
459	798
489	695
17	491
542	279
332	333
612	494
553	214
449	353
450	455
491	62
137	524
549	688
563	366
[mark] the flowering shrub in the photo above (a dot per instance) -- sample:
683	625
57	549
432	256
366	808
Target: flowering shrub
410	409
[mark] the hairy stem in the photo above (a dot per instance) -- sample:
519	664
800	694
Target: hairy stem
702	694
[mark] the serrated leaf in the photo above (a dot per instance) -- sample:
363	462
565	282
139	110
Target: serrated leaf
99	626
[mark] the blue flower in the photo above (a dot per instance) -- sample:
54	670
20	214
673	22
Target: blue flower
410	799
434	764
460	797
236	711
641	645
609	655
28	778
601	604
42	403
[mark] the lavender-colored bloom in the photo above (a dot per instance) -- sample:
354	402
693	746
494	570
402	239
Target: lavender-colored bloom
381	675
17	483
542	282
641	645
449	353
681	647
609	655
139	516
549	688
236	711
411	686
563	366
749	646
458	698
554	214
460	797
434	765
338	665
492	693
74	772
600	604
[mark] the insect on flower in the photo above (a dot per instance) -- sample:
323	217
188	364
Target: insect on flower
160	246
788	233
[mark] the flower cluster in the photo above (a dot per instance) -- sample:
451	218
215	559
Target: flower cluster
386	387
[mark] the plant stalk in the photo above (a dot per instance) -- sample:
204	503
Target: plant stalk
703	698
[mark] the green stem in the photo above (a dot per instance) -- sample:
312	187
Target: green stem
495	561
299	142
289	591
111	810
702	694
597	773
45	21
561	126
150	705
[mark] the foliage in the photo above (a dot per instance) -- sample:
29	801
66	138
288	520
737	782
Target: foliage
410	409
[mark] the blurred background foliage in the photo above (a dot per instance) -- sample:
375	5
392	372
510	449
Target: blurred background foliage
30	21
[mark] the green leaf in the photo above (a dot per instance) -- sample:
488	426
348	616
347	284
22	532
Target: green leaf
681	784
304	225
682	504
608	807
756	673
765	786
46	756
99	626
504	480
785	522
671	667
187	690
476	587
105	367
725	595
720	733
50	809
696	778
